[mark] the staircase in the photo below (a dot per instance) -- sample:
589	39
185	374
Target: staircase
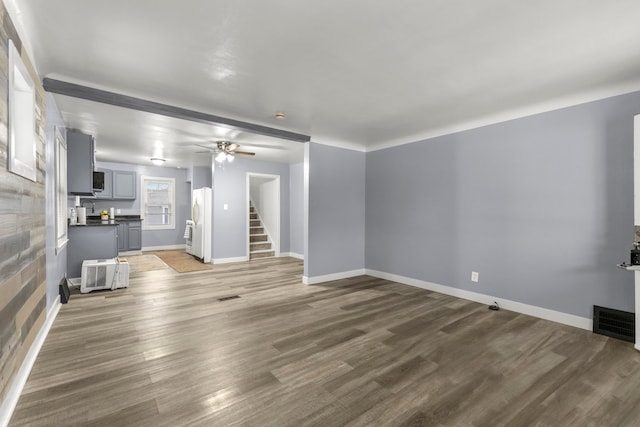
259	244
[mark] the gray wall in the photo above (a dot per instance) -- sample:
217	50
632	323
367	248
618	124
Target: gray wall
230	187
296	208
541	207
153	238
336	210
200	177
56	264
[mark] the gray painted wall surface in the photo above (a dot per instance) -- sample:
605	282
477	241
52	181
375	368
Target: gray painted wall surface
230	187
200	177
153	238
336	210
296	208
56	264
541	207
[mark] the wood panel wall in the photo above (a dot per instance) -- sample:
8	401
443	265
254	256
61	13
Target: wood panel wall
22	230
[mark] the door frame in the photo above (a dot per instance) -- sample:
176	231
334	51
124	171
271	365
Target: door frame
278	204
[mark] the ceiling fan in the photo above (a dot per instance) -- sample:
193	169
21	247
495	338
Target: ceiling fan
226	150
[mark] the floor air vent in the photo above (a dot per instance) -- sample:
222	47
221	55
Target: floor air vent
228	298
614	323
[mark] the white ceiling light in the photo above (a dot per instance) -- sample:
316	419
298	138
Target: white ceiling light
221	157
157	161
230	158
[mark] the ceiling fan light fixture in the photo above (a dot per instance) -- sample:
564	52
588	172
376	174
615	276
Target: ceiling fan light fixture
221	157
230	158
157	161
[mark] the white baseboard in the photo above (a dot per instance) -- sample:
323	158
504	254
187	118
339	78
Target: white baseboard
314	280
292	255
228	260
130	253
10	401
163	248
531	310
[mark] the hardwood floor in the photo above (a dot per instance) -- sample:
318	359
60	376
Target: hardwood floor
357	352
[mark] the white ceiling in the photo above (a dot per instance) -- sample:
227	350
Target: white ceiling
355	73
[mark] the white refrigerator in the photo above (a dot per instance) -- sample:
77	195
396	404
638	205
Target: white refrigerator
202	218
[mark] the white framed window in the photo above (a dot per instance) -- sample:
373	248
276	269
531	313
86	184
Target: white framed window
158	203
22	119
61	189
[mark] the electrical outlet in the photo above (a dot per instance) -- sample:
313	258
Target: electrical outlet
474	276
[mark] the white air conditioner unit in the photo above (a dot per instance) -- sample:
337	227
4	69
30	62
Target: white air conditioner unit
104	274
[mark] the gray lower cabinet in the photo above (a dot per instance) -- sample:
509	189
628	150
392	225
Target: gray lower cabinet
129	236
90	242
135	235
122	233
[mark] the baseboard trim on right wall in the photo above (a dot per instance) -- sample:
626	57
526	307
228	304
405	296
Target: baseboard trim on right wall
292	255
531	310
315	280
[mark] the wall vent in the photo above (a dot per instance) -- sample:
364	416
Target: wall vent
614	323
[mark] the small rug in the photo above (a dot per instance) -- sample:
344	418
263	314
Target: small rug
144	262
181	261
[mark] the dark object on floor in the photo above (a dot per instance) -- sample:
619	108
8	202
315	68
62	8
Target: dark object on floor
494	306
614	323
228	298
63	288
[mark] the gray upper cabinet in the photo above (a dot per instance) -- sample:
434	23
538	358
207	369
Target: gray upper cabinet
124	185
80	155
107	193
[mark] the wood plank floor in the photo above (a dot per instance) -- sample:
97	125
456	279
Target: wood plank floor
356	352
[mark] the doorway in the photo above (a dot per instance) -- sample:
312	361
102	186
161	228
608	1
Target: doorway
263	215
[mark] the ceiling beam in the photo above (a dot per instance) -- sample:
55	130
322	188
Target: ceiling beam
125	101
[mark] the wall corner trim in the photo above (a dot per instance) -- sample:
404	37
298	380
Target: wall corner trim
8	405
530	310
314	280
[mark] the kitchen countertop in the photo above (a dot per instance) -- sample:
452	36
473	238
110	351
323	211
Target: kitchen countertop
94	220
120	218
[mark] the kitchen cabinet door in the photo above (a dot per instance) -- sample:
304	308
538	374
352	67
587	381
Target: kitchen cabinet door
80	155
134	237
124	185
122	237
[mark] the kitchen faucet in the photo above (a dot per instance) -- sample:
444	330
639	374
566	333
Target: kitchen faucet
93	205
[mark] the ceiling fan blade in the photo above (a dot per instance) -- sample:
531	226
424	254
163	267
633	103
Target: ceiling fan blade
205	147
243	153
231	146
